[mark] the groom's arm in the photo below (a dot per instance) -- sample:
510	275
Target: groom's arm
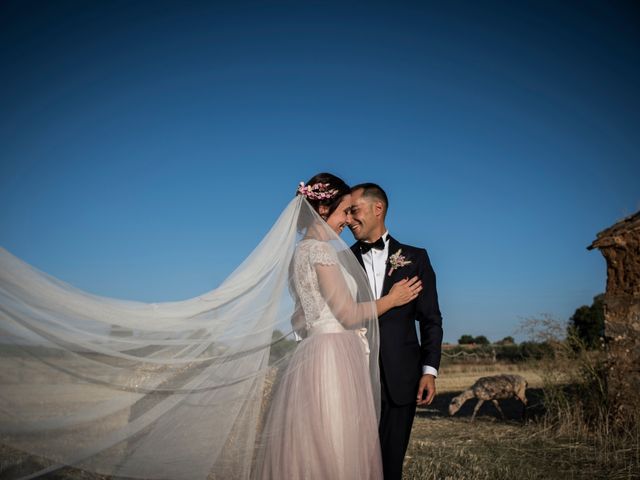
430	323
428	314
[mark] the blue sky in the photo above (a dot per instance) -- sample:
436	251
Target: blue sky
146	147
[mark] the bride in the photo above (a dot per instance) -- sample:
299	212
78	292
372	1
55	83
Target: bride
323	420
209	387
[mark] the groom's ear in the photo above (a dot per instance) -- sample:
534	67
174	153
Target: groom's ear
378	209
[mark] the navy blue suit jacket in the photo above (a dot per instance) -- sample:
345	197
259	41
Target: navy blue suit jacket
401	354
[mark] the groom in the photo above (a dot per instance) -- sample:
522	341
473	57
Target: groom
407	368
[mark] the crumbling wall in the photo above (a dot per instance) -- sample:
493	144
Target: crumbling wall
620	246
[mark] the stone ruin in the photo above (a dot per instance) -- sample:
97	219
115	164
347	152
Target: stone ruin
620	246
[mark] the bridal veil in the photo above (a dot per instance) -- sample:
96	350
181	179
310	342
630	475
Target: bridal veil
174	390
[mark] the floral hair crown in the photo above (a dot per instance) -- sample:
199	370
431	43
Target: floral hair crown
317	191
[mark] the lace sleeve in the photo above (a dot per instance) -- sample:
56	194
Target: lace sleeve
322	253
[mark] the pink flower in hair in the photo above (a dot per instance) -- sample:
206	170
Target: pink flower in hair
317	191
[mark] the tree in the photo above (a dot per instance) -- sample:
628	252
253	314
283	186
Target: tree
587	323
465	340
506	341
481	340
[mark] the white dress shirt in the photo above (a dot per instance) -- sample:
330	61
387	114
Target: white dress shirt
375	263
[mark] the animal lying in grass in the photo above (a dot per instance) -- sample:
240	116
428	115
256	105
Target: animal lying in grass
498	387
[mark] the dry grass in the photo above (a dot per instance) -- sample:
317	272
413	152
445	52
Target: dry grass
559	440
457	377
443	448
568	433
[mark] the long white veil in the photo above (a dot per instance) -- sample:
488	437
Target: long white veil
152	390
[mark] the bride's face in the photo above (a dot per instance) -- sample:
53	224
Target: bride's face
341	216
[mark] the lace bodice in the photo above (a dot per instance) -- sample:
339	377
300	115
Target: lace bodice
317	313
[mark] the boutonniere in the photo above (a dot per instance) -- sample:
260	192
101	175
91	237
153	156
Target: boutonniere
397	260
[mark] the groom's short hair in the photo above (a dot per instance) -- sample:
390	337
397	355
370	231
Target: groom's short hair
373	190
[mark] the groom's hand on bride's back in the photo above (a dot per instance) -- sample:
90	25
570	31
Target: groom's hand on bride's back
426	390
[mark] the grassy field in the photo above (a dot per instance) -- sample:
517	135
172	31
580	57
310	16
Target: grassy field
457	377
542	446
444	447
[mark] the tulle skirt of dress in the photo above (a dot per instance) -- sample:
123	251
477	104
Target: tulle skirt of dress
322	422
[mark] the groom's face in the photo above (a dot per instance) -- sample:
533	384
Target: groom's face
366	216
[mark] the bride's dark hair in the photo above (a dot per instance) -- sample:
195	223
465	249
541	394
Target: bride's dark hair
335	185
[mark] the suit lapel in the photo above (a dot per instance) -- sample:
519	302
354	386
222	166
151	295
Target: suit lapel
356	251
393	248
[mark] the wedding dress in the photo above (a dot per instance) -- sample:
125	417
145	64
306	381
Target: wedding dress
323	421
209	387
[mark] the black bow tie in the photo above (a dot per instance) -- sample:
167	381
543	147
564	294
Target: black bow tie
378	245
